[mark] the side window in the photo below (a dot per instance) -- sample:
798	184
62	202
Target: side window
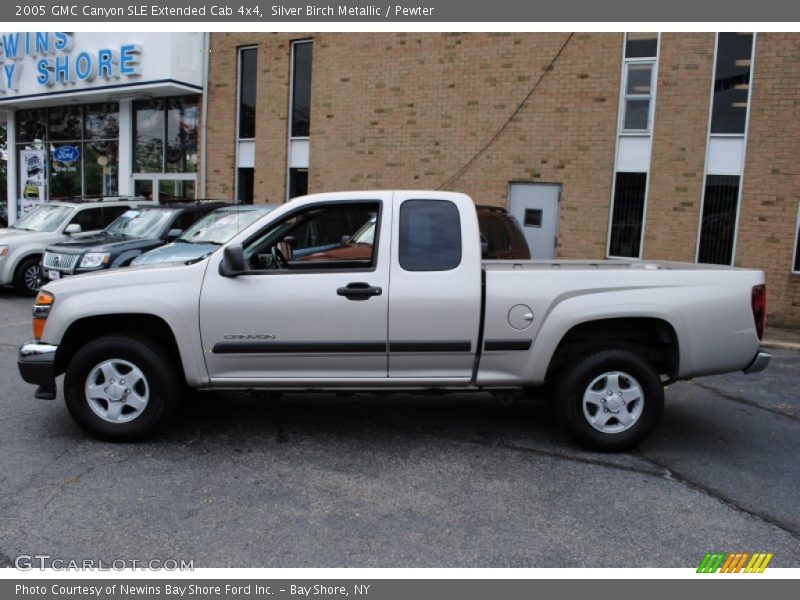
335	236
90	219
112	212
430	235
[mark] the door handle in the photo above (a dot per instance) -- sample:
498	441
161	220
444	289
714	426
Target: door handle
359	291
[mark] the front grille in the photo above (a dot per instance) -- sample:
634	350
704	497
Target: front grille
62	262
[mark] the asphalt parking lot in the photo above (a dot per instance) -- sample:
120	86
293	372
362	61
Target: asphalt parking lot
316	480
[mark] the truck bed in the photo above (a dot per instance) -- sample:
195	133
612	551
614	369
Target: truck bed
601	265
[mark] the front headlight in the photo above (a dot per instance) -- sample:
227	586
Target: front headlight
94	259
3	250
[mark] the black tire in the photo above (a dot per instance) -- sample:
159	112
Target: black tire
579	373
162	379
27	277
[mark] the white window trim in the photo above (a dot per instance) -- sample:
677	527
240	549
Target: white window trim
743	136
238	110
621	133
624	96
290	138
796	248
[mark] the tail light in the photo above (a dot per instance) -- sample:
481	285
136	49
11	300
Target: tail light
758	302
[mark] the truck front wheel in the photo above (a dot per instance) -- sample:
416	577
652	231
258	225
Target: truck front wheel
609	400
121	388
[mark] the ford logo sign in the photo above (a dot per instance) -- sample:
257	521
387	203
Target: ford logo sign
66	154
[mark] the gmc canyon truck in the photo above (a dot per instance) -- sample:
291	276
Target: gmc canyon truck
420	311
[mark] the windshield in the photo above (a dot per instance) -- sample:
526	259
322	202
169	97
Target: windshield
44	218
220	226
141	223
365	235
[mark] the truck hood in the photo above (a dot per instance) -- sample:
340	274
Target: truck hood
176	252
105	243
11	235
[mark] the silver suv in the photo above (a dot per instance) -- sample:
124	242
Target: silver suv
22	244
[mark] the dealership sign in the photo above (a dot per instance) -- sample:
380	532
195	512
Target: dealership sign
54	60
66	154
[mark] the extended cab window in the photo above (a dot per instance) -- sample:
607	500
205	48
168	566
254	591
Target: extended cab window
334	236
430	235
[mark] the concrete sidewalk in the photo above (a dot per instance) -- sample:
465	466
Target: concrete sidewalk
778	337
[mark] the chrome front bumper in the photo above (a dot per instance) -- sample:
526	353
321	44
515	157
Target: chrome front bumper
759	363
36	364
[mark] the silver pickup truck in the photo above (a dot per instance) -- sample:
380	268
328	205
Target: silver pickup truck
406	304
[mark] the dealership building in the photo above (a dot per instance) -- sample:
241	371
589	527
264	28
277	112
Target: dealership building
678	146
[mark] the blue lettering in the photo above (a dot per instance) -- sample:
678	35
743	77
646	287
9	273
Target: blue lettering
104	60
128	62
43	67
12	76
63	41
62	69
11	45
27	42
84	67
42	42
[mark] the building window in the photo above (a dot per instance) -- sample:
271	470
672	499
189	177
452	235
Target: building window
244	185
628	215
718	226
80	149
165	135
248	60
731	83
301	89
298	182
641	50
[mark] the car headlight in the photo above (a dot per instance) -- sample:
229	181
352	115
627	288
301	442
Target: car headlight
94	259
3	250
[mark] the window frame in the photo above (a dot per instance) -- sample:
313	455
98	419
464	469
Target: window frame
709	136
239	80
290	139
611	214
653	62
376	248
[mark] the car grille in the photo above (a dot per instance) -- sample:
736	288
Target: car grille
62	262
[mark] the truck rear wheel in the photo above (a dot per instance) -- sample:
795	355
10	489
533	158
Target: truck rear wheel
121	388
609	400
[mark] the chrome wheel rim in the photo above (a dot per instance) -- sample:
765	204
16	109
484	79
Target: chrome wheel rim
613	402
117	391
32	278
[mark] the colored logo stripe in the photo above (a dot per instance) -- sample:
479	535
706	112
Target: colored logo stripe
734	562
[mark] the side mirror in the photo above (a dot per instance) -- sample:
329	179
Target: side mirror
174	234
232	261
72	229
345	240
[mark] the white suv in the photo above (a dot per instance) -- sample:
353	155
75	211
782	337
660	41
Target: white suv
22	244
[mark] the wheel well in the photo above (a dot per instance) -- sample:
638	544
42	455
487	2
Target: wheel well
653	339
36	255
86	329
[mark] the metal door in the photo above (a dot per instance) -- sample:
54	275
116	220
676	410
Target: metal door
535	205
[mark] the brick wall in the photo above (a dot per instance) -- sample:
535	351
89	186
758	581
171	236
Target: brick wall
771	190
686	63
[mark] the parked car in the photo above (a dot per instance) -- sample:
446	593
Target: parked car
422	311
206	235
22	244
137	230
500	234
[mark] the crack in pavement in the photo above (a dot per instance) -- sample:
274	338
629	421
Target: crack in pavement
732	503
740	400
